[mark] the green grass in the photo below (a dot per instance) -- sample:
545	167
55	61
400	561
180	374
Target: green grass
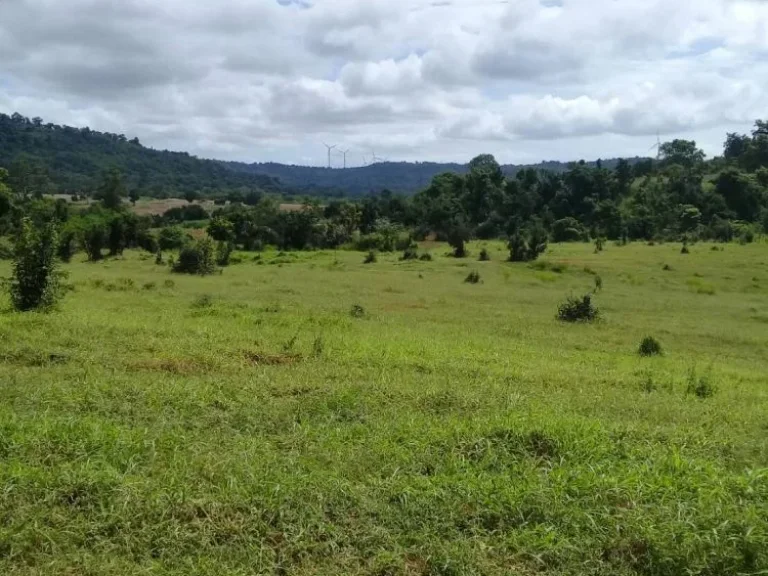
254	423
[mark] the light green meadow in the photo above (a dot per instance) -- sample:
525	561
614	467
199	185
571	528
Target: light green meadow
249	423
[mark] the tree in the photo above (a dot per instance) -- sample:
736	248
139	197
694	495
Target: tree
221	229
191	195
117	235
740	192
735	145
134	195
682	152
94	234
35	283
197	258
111	189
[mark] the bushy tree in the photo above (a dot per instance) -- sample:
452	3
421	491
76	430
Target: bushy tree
198	258
35	283
94	235
221	229
527	245
172	238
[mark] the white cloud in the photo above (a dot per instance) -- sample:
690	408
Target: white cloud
420	79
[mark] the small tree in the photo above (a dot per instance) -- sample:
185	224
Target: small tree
93	236
223	253
66	246
221	229
134	195
527	246
191	195
198	258
35	284
116	238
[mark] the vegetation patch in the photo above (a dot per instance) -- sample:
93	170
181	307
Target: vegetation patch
578	310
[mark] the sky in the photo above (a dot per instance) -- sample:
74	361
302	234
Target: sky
406	80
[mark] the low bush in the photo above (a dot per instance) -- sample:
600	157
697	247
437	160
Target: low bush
370	258
197	258
426	257
36	280
484	255
472	278
578	310
357	311
650	347
410	253
699	386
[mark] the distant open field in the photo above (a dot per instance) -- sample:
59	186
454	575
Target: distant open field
309	414
152	207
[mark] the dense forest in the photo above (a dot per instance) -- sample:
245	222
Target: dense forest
400	177
60	159
49	158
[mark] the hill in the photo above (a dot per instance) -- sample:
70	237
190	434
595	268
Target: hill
402	177
52	158
63	159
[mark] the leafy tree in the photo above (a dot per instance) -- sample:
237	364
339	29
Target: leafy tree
94	234
35	283
221	229
172	238
741	194
117	235
197	258
134	195
112	189
682	152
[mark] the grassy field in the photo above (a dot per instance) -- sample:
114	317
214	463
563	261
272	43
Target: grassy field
309	414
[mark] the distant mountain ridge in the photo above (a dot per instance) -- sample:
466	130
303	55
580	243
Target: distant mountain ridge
402	177
64	159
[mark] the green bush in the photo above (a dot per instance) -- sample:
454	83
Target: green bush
578	310
94	234
527	246
36	280
198	258
357	311
650	347
426	257
224	253
411	252
472	278
370	258
172	238
484	255
699	386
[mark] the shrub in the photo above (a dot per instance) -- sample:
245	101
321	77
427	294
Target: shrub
411	252
426	257
526	247
93	236
172	238
35	283
6	250
149	286
159	258
699	386
196	259
667	268
484	255
598	245
357	311
684	249
650	347
472	278
578	310
567	230
370	258
66	247
747	237
598	283
223	253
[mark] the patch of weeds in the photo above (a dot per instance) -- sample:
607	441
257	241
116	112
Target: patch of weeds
556	267
357	311
715	249
546	276
472	278
598	283
590	271
289	344
426	257
203	302
98	283
264	359
578	310
33	358
650	347
149	286
684	249
318	347
370	258
667	268
169	284
648	385
484	255
699	386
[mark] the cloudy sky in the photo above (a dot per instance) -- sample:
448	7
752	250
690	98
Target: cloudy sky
258	80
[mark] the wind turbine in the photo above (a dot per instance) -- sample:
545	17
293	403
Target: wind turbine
658	147
329	152
344	153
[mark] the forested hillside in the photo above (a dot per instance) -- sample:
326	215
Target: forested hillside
48	158
400	177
